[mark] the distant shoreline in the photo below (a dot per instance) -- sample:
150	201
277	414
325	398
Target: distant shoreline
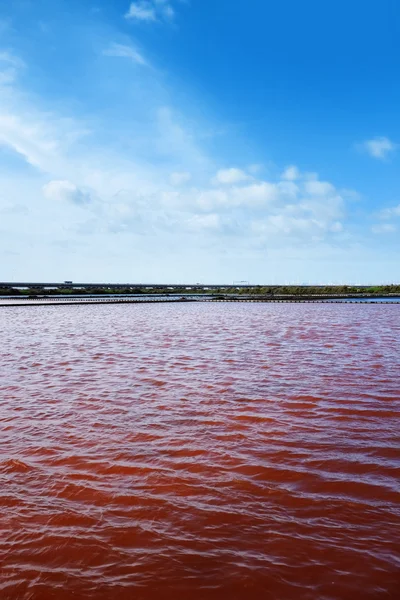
264	293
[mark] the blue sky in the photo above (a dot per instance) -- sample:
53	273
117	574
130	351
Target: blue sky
200	140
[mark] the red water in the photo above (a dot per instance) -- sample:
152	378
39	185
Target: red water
241	451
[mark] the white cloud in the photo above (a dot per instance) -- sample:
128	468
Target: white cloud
319	188
291	173
66	191
379	147
150	10
211	222
264	209
179	178
142	11
287	225
31	140
257	196
229	176
124	51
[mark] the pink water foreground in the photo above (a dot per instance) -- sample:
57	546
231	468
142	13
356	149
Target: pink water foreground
241	451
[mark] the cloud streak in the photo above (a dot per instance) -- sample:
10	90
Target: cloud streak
125	51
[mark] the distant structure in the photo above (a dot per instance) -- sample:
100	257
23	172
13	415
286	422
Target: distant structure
68	282
241	283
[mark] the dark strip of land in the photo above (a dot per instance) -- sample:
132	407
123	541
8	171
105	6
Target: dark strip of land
227	292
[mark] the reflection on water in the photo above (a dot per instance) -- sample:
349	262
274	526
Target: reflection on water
200	451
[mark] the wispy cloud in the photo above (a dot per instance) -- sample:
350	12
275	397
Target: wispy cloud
9	58
150	10
41	138
125	51
378	147
388	213
10	65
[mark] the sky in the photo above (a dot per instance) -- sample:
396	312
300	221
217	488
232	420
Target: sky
200	141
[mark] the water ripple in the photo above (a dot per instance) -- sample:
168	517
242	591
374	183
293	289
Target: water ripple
204	451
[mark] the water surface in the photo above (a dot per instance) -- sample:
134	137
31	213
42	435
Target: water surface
200	451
